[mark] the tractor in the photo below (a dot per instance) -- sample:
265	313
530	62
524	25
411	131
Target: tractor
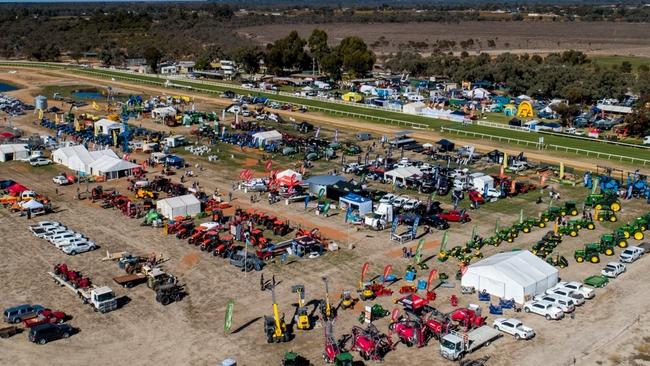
582	223
558	261
468	318
72	277
642	222
606	215
294	359
543	248
601	201
614	239
168	293
630	230
592	251
376	312
280	228
569	208
551	214
143	193
570	230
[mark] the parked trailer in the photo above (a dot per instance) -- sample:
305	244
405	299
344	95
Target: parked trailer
7	332
130	280
101	298
454	346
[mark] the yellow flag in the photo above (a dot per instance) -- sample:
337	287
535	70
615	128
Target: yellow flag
95	106
40	114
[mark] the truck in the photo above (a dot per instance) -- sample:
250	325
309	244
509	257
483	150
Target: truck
175	141
454	346
381	218
101	298
246	261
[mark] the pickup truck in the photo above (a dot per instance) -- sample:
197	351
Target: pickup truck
454	346
613	269
45	316
577	287
631	254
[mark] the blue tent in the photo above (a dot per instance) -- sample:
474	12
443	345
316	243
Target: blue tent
361	204
175	161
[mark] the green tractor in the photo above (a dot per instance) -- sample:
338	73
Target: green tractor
582	223
614	239
551	214
629	230
557	261
601	201
507	234
294	359
543	248
642	222
552	237
591	253
569	208
569	230
344	359
376	312
607	215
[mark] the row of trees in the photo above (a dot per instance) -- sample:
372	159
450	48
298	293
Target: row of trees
567	75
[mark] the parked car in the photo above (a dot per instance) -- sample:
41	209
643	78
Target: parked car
39	161
71	241
53	232
578	298
544	308
566	304
387	198
64	237
44	333
513	326
613	269
577	287
411	204
400	201
646	140
19	313
60	180
631	253
455	216
435	222
43	232
80	247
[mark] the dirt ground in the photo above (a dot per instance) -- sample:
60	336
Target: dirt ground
607	330
518	37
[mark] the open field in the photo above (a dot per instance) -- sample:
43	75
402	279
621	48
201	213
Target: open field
531	37
612	60
604	331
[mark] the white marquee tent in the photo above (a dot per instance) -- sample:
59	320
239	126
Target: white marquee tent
163	112
106	126
413	108
186	205
78	158
10	152
400	174
263	137
111	168
517	275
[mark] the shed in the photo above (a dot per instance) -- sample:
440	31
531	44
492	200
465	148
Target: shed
186	205
400	175
517	275
413	108
360	204
106	127
11	152
446	145
112	168
322	182
261	138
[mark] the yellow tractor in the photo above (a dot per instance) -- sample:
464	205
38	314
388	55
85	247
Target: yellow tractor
143	193
302	314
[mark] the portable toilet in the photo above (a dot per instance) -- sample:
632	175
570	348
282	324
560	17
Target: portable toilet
510	110
40	102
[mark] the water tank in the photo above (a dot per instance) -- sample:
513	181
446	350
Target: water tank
40	102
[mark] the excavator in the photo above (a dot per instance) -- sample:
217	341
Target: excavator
274	326
302	314
365	293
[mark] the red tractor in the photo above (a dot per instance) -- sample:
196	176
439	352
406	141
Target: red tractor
467	318
370	343
185	230
280	228
197	235
72	277
455	216
209	241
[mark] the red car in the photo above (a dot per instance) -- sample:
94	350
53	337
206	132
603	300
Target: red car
44	317
477	197
455	216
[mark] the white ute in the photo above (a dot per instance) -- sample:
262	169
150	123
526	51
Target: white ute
578	287
631	254
613	269
544	308
514	327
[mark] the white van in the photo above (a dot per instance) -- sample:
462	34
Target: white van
646	140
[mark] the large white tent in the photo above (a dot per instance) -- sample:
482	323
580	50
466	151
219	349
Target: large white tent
186	205
10	152
106	127
111	168
263	137
400	174
517	275
78	158
163	112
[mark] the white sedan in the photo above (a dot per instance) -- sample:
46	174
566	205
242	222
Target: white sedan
39	161
60	180
513	326
80	247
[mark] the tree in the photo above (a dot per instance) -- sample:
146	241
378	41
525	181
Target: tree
639	120
286	53
358	60
153	56
332	64
318	47
249	58
626	67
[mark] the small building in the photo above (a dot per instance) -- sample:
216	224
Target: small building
9	152
168	70
185	67
361	205
112	168
517	275
183	206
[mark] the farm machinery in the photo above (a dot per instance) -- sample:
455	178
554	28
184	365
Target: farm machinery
370	342
275	328
74	278
334	352
591	252
303	322
603	201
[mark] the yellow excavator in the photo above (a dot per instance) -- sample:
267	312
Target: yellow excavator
302	314
274	326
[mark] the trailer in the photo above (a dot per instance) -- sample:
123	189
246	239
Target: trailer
7	332
130	280
101	298
454	346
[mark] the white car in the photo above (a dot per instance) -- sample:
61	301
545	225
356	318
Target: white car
70	241
77	248
44	225
350	168
60	180
544	308
387	198
513	326
400	201
631	253
578	298
566	304
577	287
53	232
39	161
613	269
63	237
43	232
411	204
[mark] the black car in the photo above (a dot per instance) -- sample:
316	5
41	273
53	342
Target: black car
44	333
435	222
